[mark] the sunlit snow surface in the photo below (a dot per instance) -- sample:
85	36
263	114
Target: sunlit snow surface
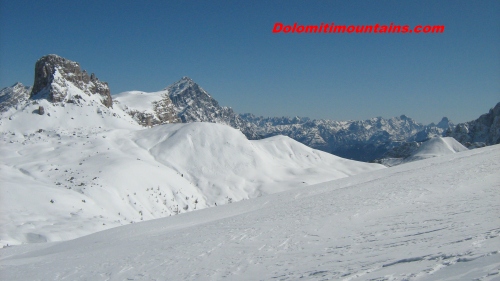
82	168
435	219
138	100
434	147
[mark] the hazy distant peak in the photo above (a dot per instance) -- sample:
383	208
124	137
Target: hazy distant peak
445	123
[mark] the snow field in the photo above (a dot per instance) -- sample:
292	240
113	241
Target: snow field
435	219
436	147
86	168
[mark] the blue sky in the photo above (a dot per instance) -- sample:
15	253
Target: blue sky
229	49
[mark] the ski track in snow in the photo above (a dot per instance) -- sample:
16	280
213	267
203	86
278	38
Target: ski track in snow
435	219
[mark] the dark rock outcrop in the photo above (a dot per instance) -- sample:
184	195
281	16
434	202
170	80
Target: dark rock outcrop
52	73
194	104
480	132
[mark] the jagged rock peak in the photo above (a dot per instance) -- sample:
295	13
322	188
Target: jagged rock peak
51	74
182	85
480	132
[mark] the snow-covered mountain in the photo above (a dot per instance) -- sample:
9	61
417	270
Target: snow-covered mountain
415	151
14	95
435	219
480	132
58	79
71	164
360	140
184	101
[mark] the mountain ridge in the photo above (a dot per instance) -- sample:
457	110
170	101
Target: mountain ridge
483	131
185	101
71	165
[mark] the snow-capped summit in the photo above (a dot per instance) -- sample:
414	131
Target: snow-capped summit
181	85
192	103
61	80
63	96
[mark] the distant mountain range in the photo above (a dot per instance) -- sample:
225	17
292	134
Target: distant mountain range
185	101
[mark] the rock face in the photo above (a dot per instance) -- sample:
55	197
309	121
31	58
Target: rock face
184	101
13	95
480	132
194	104
160	111
165	111
54	74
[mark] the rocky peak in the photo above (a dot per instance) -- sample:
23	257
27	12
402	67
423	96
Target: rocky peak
182	85
13	95
18	86
192	103
480	132
53	74
445	123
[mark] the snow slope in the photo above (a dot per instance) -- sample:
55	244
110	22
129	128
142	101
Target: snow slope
82	168
436	147
137	100
435	219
